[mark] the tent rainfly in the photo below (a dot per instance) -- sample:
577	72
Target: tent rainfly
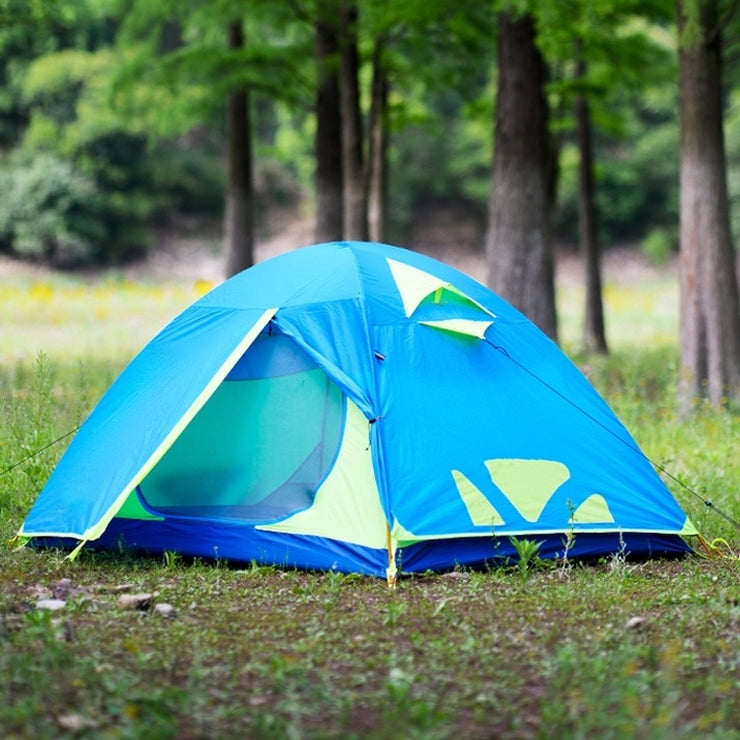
361	407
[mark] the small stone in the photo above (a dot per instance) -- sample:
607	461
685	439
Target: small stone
123	587
635	623
52	605
74	722
141	601
165	610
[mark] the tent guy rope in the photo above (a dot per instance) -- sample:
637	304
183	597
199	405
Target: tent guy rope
658	466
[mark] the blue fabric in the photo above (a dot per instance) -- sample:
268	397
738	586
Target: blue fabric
439	402
241	543
483	552
135	415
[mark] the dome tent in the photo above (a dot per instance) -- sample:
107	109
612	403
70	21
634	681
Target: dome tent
355	406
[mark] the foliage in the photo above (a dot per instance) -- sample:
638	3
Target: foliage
130	95
658	245
527	552
47	211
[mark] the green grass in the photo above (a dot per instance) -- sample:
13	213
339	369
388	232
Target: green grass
611	650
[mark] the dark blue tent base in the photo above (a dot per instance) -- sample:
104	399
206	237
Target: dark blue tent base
481	552
244	544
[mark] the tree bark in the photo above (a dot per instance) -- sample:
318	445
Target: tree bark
328	127
378	156
519	240
594	333
355	223
239	213
710	309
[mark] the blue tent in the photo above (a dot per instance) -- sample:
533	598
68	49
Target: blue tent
361	407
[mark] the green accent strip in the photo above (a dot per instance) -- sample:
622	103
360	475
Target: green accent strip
132	509
688	528
594	510
480	510
528	484
467	327
347	504
404	537
97	529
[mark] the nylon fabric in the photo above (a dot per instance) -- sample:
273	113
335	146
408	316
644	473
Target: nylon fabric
347	402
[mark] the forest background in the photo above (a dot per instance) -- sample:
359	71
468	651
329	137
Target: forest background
89	170
117	138
123	118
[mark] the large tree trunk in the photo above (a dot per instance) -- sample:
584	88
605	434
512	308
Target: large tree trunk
710	313
594	334
519	241
353	169
378	156
328	127
239	213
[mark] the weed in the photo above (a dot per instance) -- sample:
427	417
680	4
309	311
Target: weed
617	561
171	559
528	556
395	610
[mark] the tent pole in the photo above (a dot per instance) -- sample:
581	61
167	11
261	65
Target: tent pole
391	571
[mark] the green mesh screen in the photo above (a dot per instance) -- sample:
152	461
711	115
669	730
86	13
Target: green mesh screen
260	446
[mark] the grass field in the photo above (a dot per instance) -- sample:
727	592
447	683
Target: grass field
610	650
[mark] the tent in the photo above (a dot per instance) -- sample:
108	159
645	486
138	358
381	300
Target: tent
361	407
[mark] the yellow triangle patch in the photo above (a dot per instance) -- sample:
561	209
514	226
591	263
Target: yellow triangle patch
414	285
594	510
528	484
481	511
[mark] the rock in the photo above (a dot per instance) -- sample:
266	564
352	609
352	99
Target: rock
123	587
635	623
165	610
51	605
74	722
141	601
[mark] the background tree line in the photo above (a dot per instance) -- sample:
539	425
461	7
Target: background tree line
539	121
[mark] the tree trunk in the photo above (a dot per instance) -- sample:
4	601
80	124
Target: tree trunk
239	214
519	240
378	156
594	334
353	170
328	127
710	312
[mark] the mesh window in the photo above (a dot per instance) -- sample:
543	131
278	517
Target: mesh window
260	446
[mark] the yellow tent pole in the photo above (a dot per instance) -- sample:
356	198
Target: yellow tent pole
391	571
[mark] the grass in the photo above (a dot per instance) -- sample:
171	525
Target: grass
611	650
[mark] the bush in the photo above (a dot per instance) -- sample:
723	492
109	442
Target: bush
44	213
658	246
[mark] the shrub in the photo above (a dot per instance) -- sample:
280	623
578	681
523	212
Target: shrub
45	211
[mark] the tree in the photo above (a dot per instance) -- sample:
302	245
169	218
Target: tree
594	332
519	240
239	211
329	188
352	140
226	53
710	309
377	185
